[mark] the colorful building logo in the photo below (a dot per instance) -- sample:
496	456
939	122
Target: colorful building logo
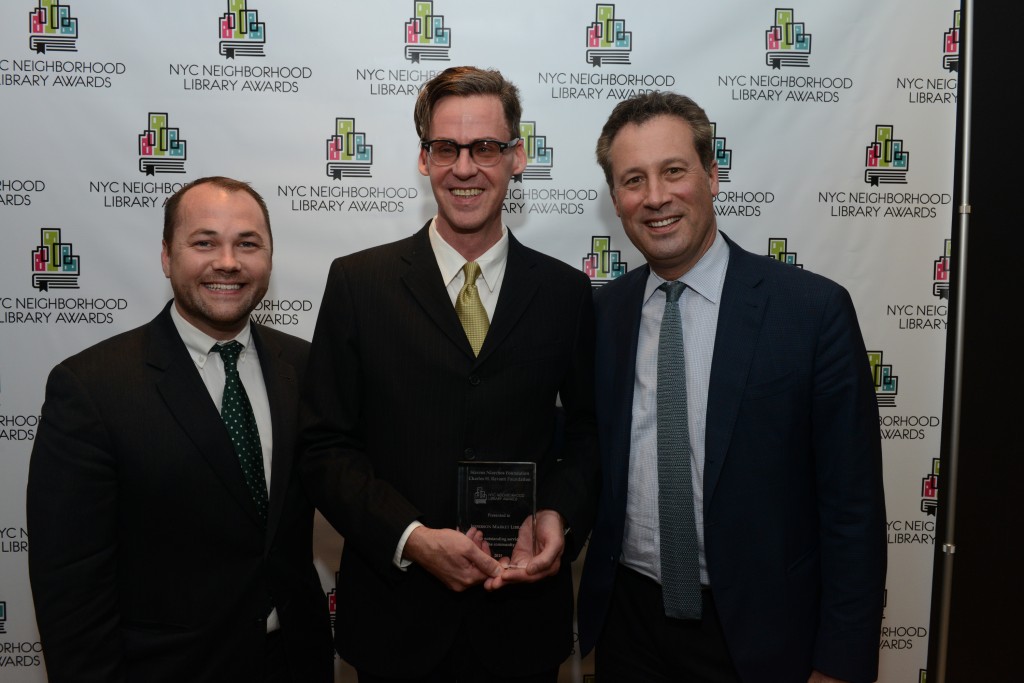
426	38
940	287
241	31
52	28
885	381
603	264
930	490
786	42
723	155
951	45
348	155
54	263
608	41
161	149
887	163
539	157
777	250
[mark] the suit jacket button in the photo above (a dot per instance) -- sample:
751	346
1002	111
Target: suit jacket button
470	455
474	380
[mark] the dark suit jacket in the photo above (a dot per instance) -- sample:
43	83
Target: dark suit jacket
793	506
399	399
148	561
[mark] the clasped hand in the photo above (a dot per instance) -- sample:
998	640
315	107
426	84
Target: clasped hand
537	553
461	561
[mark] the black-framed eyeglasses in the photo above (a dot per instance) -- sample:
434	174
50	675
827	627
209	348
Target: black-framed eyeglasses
482	152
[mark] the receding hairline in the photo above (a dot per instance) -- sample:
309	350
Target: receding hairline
640	125
172	208
650	106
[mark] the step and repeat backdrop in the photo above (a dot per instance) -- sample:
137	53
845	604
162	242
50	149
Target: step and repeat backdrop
834	127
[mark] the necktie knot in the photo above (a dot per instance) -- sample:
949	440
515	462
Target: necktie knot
230	353
471	271
673	290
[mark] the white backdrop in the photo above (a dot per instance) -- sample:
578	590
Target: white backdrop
835	132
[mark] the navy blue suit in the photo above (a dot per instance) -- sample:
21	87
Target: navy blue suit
793	504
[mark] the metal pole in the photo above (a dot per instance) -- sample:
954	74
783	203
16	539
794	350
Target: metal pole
949	473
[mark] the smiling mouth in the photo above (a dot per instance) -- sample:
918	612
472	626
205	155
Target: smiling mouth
466	192
661	223
222	286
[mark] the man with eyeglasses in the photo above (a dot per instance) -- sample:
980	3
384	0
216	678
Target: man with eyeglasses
457	343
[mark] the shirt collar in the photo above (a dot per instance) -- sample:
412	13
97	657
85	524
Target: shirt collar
449	261
199	343
706	276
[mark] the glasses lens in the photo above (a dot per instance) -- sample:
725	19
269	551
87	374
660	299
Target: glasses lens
443	152
486	152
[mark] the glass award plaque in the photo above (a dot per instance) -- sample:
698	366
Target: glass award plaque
495	497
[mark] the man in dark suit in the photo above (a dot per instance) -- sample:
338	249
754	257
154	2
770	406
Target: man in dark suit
155	554
403	392
753	446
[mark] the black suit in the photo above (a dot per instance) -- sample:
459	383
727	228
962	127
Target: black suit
399	399
794	514
148	560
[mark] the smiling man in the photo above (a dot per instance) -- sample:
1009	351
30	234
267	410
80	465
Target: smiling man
453	344
740	532
171	540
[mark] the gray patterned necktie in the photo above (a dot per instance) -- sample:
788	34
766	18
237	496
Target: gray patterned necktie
470	309
236	411
680	565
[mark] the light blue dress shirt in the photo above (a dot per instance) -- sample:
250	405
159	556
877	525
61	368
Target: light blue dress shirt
698	308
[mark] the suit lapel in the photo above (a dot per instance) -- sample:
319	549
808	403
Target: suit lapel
518	287
622	335
282	391
740	316
423	279
189	403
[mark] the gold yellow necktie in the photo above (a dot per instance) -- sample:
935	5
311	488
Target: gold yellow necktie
470	309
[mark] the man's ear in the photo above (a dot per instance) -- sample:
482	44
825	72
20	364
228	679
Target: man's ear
165	259
422	162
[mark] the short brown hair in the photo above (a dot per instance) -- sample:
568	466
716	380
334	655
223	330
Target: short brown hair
642	108
463	81
229	184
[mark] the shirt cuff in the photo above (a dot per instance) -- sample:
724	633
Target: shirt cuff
397	559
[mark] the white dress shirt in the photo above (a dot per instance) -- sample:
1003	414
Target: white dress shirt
492	268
